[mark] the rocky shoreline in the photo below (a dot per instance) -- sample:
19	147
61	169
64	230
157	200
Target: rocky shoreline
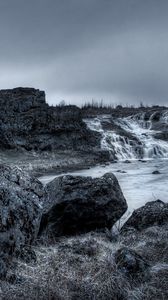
42	138
69	222
38	164
64	240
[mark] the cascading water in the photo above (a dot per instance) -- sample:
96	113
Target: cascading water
152	148
164	118
138	140
120	146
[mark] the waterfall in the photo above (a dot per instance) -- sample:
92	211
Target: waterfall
164	118
133	137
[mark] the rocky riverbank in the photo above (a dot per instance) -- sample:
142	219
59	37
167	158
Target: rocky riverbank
57	242
41	138
40	163
64	240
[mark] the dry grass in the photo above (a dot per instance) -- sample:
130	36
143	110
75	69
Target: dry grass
83	267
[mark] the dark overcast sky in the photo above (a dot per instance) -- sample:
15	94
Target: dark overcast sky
77	50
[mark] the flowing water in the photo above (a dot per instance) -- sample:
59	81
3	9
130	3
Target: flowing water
137	182
143	144
136	178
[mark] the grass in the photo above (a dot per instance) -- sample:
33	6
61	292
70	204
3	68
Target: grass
84	267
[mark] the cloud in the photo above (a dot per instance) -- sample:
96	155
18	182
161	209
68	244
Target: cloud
78	50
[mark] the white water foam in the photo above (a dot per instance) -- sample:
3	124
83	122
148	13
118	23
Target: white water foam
144	146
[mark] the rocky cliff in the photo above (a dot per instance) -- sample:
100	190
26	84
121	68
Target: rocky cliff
28	122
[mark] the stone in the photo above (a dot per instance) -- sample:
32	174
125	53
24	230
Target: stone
130	262
127	161
151	214
81	204
156	172
20	213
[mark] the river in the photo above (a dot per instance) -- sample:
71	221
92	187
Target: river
137	182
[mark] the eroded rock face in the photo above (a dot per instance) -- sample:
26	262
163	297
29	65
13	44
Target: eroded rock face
22	99
20	213
82	204
152	213
28	122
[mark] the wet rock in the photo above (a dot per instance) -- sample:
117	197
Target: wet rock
156	172
156	116
131	263
82	204
20	213
162	135
152	213
127	161
114	161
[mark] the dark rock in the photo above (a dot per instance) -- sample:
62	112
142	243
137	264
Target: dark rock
27	122
160	124
13	278
152	213
21	99
80	247
27	254
156	116
114	161
82	204
156	172
127	161
20	213
130	262
162	135
4	263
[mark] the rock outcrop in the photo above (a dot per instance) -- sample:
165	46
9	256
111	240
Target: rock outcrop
152	213
20	213
21	99
82	204
28	122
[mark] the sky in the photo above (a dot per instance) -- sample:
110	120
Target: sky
79	50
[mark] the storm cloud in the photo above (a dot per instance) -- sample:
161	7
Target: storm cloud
79	50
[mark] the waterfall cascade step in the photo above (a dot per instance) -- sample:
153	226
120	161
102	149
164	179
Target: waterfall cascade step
132	137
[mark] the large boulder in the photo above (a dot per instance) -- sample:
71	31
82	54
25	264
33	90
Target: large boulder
152	213
82	204
20	213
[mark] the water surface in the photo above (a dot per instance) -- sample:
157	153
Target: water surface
137	182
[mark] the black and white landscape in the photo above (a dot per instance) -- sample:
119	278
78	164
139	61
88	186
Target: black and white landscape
84	150
83	200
